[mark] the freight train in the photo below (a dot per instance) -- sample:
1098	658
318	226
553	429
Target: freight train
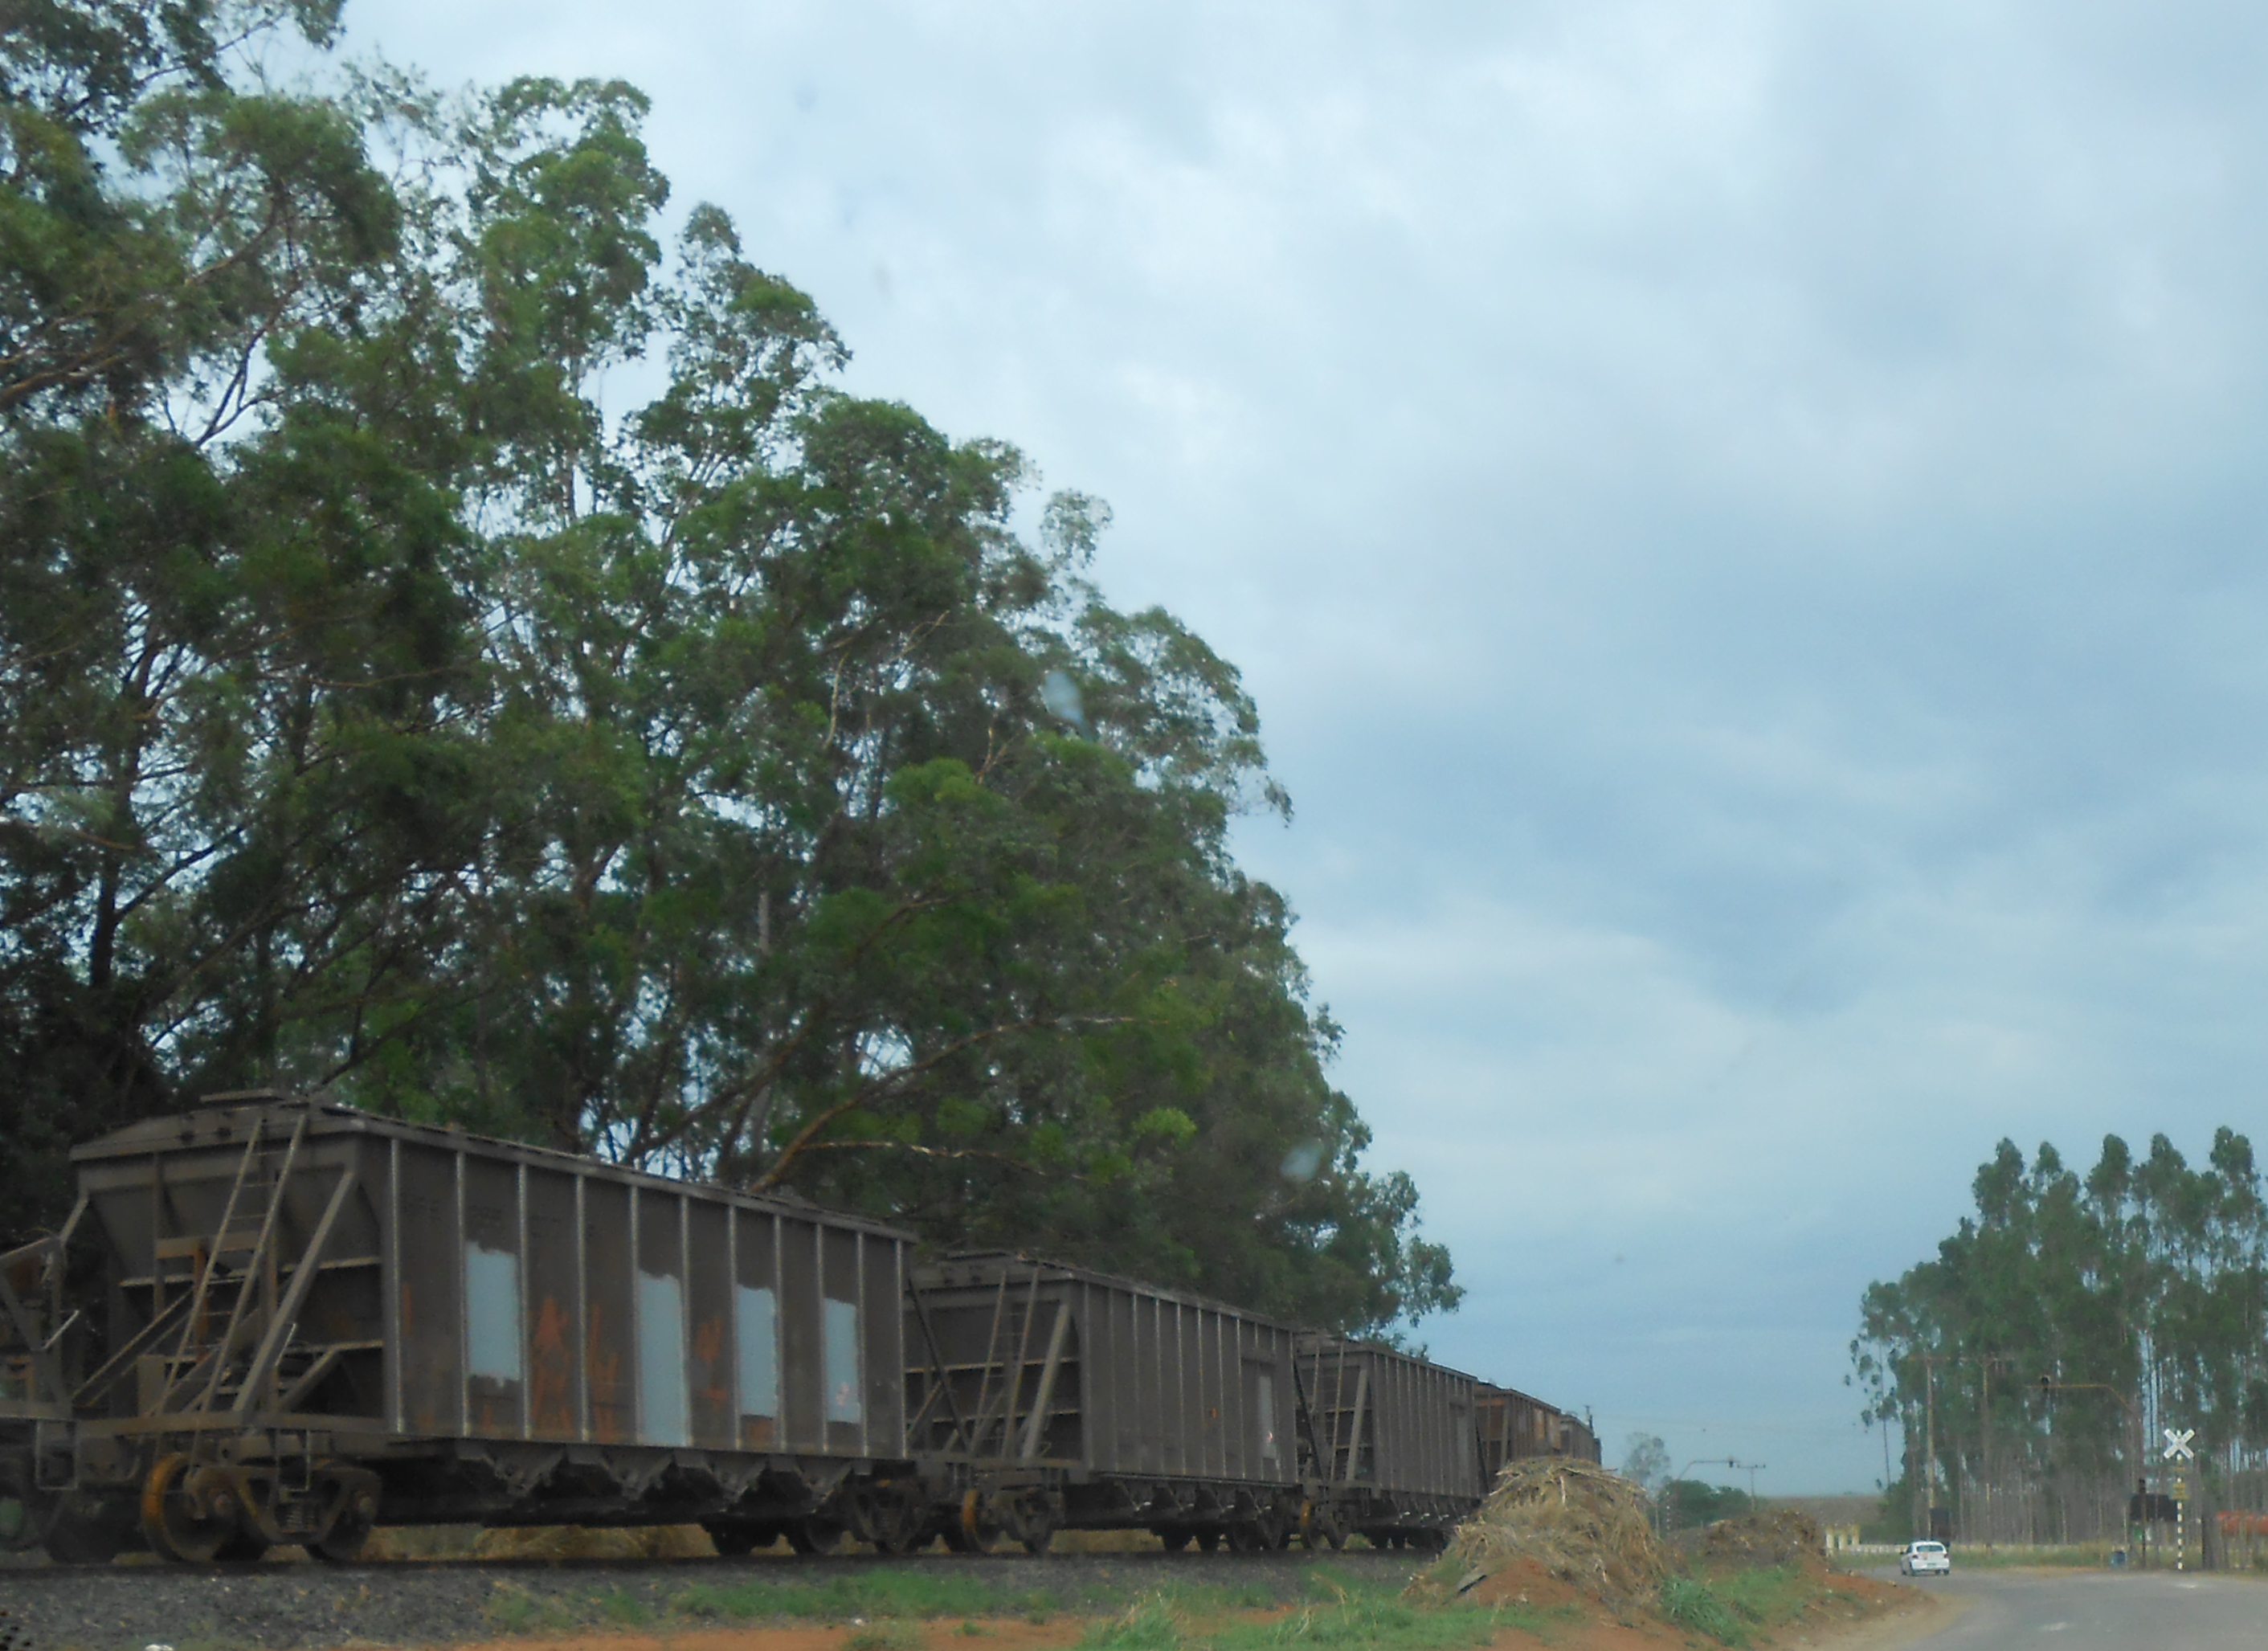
278	1320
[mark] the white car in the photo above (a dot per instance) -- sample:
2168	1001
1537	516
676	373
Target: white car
1925	1559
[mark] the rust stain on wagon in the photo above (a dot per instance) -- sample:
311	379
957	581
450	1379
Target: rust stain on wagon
709	1357
604	1361
551	1383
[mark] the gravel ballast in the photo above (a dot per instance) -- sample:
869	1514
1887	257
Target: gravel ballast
302	1606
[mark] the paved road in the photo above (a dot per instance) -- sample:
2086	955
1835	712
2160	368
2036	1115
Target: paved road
2101	1610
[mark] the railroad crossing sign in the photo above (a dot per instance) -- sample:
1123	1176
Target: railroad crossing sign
2177	1444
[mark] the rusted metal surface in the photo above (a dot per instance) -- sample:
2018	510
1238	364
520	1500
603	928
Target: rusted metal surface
1512	1425
320	1316
456	1286
314	1319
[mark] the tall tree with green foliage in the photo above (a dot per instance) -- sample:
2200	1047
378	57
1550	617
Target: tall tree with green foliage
724	784
2066	1320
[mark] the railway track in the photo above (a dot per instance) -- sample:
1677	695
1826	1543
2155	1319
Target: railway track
303	1606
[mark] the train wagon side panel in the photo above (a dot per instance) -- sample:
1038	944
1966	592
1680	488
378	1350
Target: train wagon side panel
1390	1438
491	1328
1060	1392
1512	1425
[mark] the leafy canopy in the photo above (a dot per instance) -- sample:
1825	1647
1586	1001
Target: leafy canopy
724	784
2138	1292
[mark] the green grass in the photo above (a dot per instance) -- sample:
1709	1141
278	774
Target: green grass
1360	1619
870	1594
1152	1625
2084	1554
1331	1610
886	1636
1694	1605
1768	1596
515	1610
623	1610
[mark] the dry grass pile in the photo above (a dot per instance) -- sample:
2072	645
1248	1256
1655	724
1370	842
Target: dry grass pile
1576	1522
1756	1542
556	1542
595	1541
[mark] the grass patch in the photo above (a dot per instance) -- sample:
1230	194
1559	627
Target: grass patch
1388	1624
1768	1596
885	1636
1370	1621
1152	1625
2081	1554
515	1610
624	1609
904	1594
1694	1605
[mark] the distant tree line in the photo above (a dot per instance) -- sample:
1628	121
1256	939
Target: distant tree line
460	651
2137	1291
1679	1504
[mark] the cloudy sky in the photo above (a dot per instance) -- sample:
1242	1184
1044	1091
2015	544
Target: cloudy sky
1744	521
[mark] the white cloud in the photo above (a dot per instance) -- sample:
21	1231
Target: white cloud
1743	519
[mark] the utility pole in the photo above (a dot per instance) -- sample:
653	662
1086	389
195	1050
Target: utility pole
1985	1432
2133	1409
1929	1405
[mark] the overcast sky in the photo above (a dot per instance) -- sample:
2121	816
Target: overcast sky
1744	522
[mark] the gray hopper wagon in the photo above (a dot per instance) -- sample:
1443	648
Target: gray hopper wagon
315	1320
1513	1425
1390	1442
1042	1397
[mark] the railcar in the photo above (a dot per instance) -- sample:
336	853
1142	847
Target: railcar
279	1320
1391	1440
1512	1425
312	1321
1044	1397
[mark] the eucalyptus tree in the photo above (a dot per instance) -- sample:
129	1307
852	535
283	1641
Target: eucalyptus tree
746	780
2033	1358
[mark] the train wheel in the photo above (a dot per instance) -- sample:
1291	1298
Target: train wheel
244	1548
1030	1517
1174	1538
74	1534
1322	1526
18	1530
972	1529
188	1513
898	1543
1208	1539
814	1535
891	1517
342	1542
